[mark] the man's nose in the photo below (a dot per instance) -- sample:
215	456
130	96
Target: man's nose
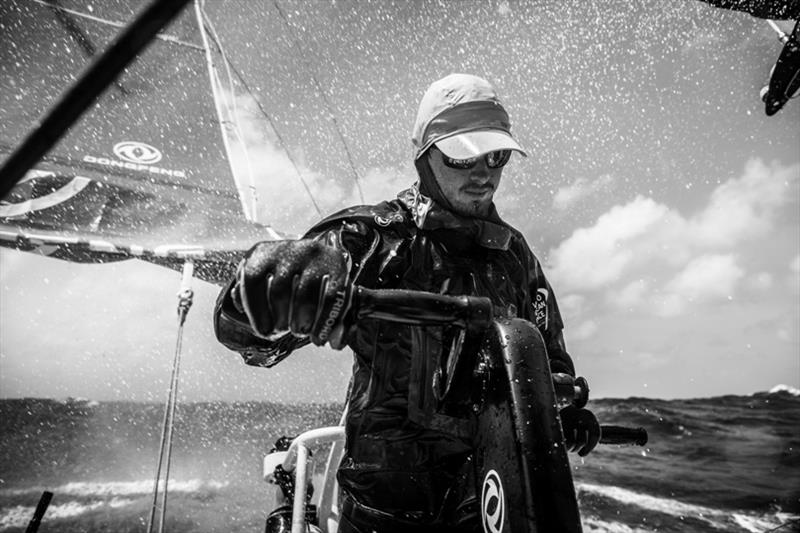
481	171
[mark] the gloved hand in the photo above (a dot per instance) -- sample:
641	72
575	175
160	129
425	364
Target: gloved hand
581	429
299	286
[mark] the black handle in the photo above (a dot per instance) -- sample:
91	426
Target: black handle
422	308
623	435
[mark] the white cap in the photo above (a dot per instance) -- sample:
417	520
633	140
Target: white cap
462	115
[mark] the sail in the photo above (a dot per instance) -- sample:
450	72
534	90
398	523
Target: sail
146	172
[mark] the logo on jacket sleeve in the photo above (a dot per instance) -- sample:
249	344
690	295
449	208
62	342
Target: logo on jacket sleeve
540	308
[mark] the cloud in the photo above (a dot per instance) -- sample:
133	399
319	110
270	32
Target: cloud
584	330
571	304
11	263
761	281
594	257
581	188
647	255
381	184
743	208
794	276
632	294
705	278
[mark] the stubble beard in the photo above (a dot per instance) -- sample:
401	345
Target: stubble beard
472	209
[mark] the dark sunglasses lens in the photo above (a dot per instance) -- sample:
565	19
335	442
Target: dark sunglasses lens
498	159
494	159
460	163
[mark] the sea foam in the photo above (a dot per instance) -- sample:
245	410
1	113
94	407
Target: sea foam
785	388
20	515
119	488
99	494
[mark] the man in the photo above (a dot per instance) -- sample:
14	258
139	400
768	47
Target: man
407	459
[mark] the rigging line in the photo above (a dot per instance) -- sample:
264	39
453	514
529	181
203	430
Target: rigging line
229	65
280	140
325	100
230	107
185	298
163	37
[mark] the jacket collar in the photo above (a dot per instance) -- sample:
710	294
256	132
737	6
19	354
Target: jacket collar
490	233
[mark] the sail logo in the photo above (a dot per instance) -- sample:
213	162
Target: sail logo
136	152
493	503
134	155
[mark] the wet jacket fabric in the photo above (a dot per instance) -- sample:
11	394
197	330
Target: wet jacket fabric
405	449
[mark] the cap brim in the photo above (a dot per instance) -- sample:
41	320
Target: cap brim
477	143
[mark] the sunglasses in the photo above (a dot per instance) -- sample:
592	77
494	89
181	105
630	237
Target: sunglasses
496	159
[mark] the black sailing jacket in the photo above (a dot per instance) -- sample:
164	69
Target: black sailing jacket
404	448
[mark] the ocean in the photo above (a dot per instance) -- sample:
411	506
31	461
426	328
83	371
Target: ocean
723	464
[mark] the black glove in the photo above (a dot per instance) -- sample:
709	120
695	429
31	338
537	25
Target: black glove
581	429
300	286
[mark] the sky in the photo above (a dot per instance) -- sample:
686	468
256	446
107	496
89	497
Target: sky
662	201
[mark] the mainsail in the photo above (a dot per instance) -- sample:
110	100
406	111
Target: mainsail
146	173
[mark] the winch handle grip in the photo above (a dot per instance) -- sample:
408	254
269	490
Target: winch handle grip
420	308
623	435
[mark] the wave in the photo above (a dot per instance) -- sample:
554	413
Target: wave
596	525
777	389
119	488
719	455
96	496
718	519
117	494
20	515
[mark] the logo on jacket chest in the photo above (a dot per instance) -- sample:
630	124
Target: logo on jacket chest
386	221
540	308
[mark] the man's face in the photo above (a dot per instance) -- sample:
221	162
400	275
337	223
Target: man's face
470	191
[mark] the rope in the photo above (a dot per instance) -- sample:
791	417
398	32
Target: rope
185	297
325	100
